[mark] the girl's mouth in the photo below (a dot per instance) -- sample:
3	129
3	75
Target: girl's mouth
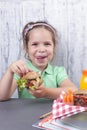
41	57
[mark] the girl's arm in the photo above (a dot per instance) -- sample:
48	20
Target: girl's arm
53	93
64	86
8	83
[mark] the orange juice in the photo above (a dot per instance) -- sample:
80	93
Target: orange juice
83	81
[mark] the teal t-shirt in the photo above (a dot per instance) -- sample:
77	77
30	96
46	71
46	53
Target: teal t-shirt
52	77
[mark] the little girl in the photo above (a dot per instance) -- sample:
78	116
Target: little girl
39	40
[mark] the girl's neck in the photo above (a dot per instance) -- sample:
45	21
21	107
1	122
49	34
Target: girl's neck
41	68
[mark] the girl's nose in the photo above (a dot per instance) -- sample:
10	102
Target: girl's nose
42	49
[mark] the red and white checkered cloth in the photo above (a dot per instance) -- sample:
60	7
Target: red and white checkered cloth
61	110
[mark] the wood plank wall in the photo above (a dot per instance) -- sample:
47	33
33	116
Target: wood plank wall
69	17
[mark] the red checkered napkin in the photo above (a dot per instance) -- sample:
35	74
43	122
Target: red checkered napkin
61	110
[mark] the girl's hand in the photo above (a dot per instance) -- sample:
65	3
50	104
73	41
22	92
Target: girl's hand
19	67
40	92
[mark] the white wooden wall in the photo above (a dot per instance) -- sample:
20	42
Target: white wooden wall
69	17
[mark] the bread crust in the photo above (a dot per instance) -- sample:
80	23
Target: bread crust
80	92
31	75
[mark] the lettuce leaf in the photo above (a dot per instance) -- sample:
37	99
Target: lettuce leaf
21	83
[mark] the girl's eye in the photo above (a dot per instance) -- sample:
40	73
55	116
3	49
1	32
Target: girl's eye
48	44
34	44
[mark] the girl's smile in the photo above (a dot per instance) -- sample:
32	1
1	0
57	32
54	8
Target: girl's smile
40	47
41	59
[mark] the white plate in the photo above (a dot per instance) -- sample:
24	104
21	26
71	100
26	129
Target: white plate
78	120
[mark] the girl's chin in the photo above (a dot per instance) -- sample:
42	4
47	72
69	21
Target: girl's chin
40	61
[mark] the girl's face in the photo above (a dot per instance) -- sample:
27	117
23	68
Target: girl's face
40	47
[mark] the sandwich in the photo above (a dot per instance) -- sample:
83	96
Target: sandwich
80	98
31	80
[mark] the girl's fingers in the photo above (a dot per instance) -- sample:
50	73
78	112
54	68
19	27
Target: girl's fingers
19	68
22	67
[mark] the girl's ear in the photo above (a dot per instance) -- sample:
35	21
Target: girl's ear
25	46
26	52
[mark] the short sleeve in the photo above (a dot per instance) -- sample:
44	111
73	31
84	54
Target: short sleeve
16	77
62	75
